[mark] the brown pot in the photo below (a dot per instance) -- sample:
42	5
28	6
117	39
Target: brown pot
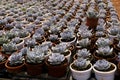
57	70
92	22
34	69
14	69
112	59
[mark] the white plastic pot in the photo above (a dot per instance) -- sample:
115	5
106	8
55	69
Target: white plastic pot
109	75
81	75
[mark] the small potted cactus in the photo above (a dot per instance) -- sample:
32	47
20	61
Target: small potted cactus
105	52
34	62
15	63
57	65
68	36
104	70
81	69
19	42
92	18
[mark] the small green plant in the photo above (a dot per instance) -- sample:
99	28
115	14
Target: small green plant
102	65
56	58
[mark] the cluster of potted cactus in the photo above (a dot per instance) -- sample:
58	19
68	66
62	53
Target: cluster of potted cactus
53	36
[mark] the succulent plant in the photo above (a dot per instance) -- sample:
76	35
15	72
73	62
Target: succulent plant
113	31
86	33
56	58
30	43
101	42
9	47
92	13
2	58
37	36
16	40
67	35
23	34
16	59
84	43
102	65
105	51
53	38
3	40
54	29
83	53
40	31
100	33
35	57
10	35
81	63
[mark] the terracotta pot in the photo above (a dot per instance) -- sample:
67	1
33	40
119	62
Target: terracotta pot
92	22
14	69
57	70
34	69
112	59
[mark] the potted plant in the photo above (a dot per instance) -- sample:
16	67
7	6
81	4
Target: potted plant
57	65
83	53
68	36
8	49
39	38
62	49
34	62
105	52
31	43
15	63
92	16
83	43
54	39
23	34
19	42
81	69
104	70
3	40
